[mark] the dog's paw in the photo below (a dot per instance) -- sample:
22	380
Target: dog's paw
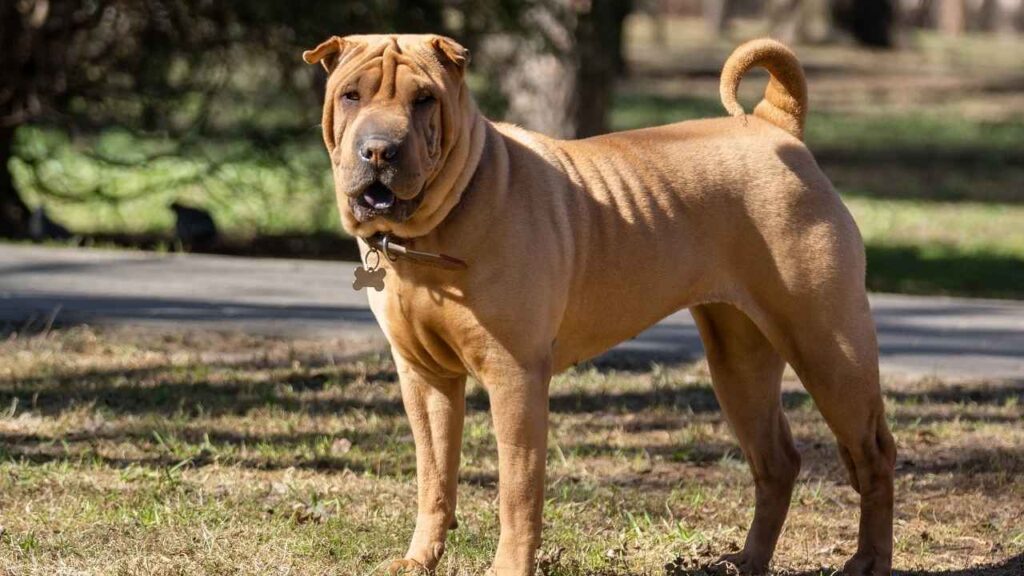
867	564
406	567
492	571
739	564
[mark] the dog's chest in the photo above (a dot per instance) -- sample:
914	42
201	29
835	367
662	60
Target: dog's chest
425	321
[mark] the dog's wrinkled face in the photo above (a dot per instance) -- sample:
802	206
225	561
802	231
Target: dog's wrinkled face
389	113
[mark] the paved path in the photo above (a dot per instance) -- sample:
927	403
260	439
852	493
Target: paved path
949	337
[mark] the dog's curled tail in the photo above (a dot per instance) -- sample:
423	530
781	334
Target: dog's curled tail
785	99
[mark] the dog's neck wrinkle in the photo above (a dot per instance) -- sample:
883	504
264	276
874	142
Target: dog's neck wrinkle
494	154
478	200
460	178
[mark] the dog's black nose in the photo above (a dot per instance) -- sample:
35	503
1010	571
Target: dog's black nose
378	152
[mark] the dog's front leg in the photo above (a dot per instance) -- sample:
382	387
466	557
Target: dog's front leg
519	408
436	407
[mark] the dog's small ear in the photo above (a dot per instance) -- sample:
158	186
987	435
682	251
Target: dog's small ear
328	53
451	53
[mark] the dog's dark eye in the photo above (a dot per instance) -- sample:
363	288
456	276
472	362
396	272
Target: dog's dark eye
424	98
351	96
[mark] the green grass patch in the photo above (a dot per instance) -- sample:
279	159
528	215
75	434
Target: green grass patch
922	247
108	186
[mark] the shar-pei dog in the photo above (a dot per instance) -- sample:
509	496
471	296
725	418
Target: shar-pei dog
507	255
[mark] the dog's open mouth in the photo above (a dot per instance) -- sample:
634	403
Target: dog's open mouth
379	200
378	197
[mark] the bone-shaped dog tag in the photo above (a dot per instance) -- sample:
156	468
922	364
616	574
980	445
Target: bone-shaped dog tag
373	278
370	275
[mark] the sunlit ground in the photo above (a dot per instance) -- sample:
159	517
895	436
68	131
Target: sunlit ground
134	453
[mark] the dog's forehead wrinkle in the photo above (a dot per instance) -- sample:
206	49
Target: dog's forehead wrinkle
349	71
389	54
387	62
394	45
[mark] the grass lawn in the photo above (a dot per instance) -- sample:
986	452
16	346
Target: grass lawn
139	453
923	247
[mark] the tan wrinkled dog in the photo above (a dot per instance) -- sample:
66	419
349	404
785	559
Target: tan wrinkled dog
574	246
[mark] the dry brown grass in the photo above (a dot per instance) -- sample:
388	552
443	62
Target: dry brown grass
139	453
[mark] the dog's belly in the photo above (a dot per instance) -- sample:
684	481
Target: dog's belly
585	340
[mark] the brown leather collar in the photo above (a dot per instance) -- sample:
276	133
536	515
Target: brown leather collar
394	249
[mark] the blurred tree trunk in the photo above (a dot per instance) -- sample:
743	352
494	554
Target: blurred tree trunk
998	16
952	17
800	20
14	215
534	71
873	22
716	15
600	58
657	11
560	79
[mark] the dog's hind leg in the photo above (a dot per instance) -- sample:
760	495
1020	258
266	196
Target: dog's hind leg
747	374
830	342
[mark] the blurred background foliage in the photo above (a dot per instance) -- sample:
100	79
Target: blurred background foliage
111	110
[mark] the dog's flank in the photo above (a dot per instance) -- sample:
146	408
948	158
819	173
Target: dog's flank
785	98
